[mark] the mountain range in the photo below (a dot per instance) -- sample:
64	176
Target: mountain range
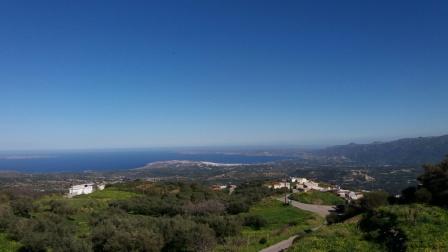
406	151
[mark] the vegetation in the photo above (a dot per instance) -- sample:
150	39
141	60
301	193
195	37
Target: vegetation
7	245
178	216
279	222
433	188
388	228
317	197
390	224
143	216
340	237
369	202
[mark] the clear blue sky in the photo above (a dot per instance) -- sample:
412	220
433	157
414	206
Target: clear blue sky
94	74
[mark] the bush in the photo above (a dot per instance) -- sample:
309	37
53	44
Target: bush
22	207
372	200
293	223
61	207
255	221
224	226
237	206
423	195
125	233
263	240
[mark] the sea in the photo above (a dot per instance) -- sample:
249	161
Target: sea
110	160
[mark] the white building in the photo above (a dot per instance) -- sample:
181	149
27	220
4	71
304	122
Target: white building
80	189
355	195
101	186
299	180
279	185
306	185
349	195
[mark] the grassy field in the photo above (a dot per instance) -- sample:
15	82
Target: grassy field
282	222
425	227
7	245
340	237
318	198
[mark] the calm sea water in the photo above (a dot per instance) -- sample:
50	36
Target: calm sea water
78	161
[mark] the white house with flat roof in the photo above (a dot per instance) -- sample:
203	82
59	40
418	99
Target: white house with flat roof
80	189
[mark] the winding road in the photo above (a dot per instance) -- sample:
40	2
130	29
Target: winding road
321	210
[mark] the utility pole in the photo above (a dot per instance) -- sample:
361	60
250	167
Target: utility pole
286	191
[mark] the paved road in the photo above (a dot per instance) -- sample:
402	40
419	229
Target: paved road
321	210
280	246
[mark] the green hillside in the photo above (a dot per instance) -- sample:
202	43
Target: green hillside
143	216
413	227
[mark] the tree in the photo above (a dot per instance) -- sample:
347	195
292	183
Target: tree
22	207
423	195
435	180
125	233
381	226
61	207
372	200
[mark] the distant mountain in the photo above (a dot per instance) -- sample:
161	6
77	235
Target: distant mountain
408	151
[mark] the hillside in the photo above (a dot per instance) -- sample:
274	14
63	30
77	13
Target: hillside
412	227
145	216
408	151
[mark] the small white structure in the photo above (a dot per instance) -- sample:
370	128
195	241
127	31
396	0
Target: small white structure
304	184
299	180
80	189
279	185
101	186
349	195
355	195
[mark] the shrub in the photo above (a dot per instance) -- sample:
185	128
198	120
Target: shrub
372	200
22	207
255	221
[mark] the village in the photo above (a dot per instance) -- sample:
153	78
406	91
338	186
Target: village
295	185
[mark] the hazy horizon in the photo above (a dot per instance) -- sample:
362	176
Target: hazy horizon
223	147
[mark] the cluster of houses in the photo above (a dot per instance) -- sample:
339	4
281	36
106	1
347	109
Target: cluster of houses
87	188
304	185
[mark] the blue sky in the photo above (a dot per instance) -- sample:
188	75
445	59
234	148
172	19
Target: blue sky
105	74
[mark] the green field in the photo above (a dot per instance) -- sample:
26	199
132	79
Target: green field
317	198
282	223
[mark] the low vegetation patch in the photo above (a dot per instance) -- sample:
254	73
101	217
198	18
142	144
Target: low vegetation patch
412	227
6	245
270	222
317	198
340	237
